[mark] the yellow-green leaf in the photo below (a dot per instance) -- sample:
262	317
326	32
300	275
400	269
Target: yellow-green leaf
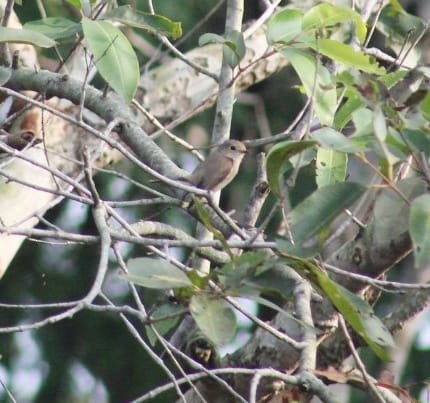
284	26
317	82
149	22
318	210
155	273
278	155
331	166
113	55
334	140
419	228
425	107
357	312
54	27
326	15
25	36
345	54
213	317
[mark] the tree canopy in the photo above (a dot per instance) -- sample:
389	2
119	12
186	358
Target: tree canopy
125	279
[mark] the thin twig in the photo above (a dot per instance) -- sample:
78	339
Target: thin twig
8	392
44	189
270	329
187	242
133	331
168	350
162	129
226	218
374	390
288	132
387	286
374	23
259	193
262	19
302	303
111	142
417	39
179	54
56	173
199	367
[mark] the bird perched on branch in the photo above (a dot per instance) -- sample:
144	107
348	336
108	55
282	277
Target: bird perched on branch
220	166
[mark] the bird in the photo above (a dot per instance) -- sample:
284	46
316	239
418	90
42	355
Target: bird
220	166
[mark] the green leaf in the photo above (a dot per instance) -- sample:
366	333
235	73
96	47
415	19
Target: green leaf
419	228
76	3
273	280
391	79
327	15
334	140
213	317
205	218
415	98
344	113
54	27
234	49
4	78
25	36
390	214
331	166
363	122
425	107
155	273
277	157
317	211
298	250
269	304
419	140
317	81
356	311
234	275
154	23
113	55
246	263
305	183
379	124
284	26
410	89
209	37
254	274
399	26
161	325
396	5
396	144
345	54
380	131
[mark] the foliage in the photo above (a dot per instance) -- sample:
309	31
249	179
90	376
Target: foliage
341	211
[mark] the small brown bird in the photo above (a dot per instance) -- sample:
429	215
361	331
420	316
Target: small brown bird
220	166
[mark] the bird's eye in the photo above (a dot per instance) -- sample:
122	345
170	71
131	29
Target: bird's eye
232	147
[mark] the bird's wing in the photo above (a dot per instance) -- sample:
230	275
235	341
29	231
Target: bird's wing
217	173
